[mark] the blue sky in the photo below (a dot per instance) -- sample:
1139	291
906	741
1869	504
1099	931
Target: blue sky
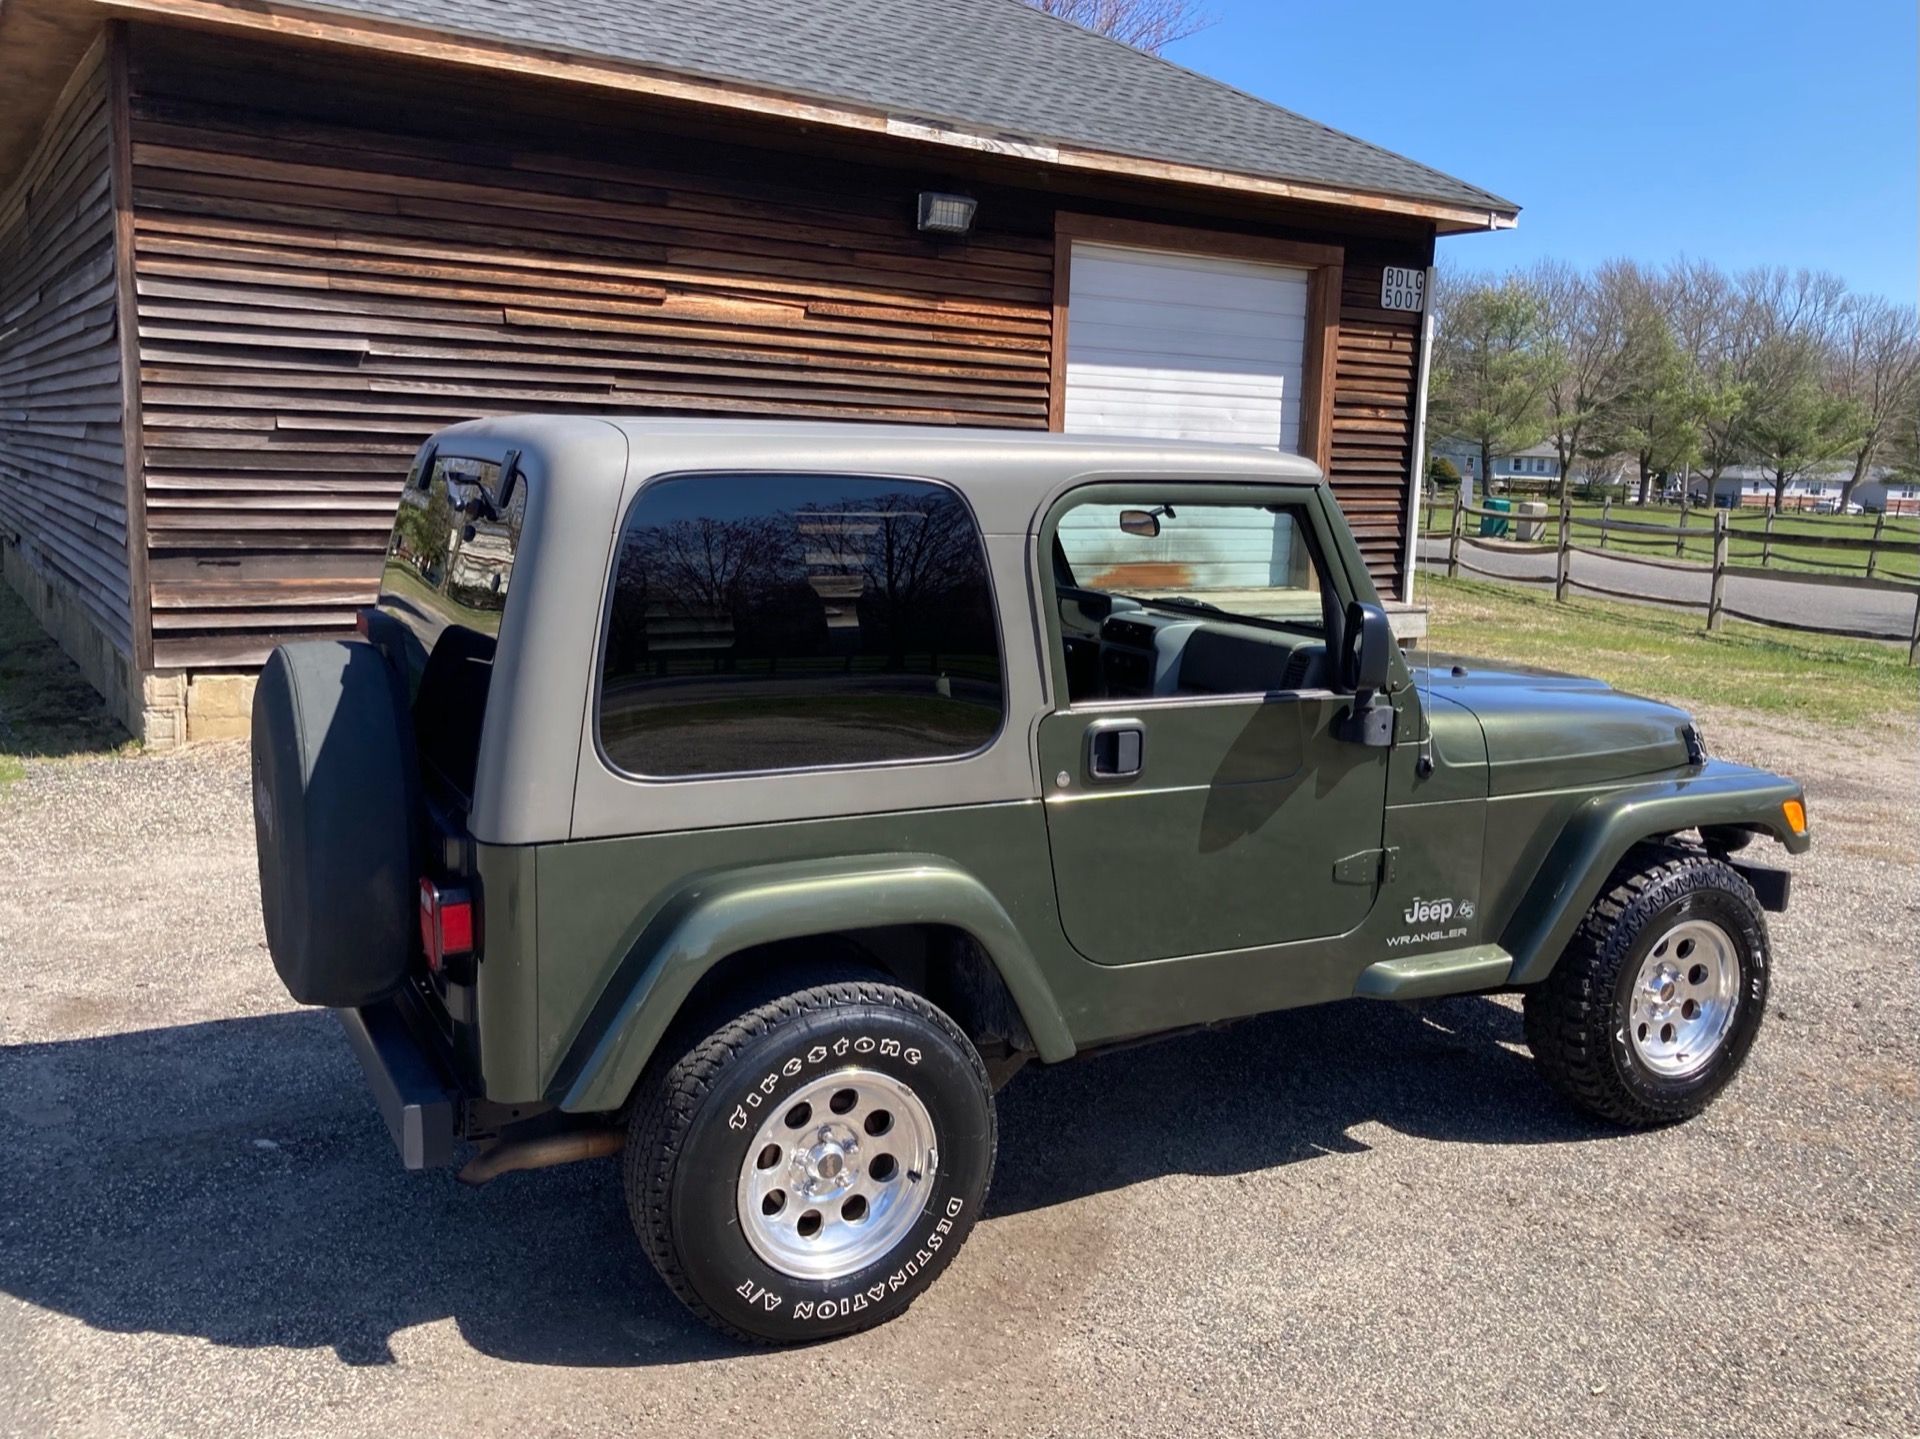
1756	133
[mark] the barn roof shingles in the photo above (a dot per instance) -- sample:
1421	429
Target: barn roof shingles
997	67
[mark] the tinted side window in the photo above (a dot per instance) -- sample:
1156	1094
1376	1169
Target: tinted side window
1193	599
1237	561
767	622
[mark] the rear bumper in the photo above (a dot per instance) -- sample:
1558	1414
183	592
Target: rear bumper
421	1108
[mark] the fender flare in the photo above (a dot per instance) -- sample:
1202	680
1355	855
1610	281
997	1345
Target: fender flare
712	917
1605	827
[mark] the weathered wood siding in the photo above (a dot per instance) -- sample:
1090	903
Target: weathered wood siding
317	296
1376	379
63	487
336	256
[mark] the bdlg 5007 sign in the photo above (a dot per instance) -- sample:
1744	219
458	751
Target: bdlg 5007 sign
1402	289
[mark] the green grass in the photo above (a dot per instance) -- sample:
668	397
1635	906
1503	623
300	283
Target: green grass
1899	555
1834	682
47	708
398	576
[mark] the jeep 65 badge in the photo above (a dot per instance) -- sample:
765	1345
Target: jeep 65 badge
1431	919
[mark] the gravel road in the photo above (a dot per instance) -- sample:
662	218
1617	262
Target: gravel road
1357	1220
1885	613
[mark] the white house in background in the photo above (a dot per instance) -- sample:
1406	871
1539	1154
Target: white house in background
1881	491
1744	485
1739	485
1535	463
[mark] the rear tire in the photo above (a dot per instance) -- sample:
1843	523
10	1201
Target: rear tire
1652	1009
809	1168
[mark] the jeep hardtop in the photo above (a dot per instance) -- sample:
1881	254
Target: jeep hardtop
754	799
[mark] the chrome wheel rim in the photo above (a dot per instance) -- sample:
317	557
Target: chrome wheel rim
1684	998
836	1178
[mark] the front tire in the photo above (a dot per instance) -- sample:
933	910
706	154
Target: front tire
1652	1009
808	1169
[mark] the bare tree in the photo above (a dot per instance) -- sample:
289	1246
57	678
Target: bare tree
1596	352
1794	421
1709	320
1795	424
1806	304
1875	364
1657	418
1149	25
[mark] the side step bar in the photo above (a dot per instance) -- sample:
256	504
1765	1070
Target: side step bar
1453	971
416	1102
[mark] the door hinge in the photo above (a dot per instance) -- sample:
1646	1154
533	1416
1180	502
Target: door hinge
1370	866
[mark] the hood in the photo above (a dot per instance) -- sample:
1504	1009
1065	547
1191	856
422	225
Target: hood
1546	731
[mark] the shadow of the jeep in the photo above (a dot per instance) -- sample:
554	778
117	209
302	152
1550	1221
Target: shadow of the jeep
232	1181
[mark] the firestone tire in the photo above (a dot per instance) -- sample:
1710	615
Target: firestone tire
897	1132
1660	995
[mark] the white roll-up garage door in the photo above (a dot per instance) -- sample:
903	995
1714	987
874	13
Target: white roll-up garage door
1184	347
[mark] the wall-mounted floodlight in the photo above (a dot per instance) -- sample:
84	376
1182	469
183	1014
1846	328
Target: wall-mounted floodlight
946	214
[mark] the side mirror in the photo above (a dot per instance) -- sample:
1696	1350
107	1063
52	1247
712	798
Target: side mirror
1366	650
1366	661
1144	523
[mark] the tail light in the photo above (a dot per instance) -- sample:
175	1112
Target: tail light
446	923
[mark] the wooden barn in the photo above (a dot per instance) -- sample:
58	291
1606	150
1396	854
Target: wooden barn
250	255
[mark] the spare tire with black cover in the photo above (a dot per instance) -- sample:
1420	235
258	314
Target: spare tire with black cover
335	819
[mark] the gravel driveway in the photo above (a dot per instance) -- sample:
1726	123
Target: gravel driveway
1856	609
1357	1220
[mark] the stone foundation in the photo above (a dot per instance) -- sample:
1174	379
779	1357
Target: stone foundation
163	711
220	706
182	707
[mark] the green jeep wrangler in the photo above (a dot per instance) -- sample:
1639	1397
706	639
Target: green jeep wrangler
754	799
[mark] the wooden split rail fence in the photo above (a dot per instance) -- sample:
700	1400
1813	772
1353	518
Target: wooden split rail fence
1723	535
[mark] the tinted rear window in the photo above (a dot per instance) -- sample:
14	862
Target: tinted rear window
768	622
448	570
450	556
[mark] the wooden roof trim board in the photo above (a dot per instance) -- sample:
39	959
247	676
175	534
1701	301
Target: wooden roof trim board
298	23
1188	239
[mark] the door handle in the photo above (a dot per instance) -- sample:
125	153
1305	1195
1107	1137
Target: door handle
1116	749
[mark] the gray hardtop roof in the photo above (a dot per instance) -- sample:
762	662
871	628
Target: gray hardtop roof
815	443
997	66
1004	473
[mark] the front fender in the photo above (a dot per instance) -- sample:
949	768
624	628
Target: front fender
716	916
1609	824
